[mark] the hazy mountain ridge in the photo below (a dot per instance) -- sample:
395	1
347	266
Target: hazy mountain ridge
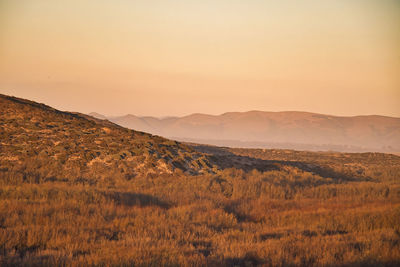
288	129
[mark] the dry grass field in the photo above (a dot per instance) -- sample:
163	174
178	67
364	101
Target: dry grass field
274	218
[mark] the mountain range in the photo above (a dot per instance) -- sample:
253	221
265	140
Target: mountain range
287	130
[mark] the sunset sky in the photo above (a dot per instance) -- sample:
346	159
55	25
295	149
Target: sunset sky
165	57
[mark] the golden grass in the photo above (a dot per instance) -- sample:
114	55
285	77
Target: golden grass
183	221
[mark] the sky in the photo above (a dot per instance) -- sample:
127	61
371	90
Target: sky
173	58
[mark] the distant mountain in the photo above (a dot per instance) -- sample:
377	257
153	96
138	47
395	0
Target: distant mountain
291	129
62	145
97	116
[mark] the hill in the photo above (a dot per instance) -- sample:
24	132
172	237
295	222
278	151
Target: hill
77	146
287	130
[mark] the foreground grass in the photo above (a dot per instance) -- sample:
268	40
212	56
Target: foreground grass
234	218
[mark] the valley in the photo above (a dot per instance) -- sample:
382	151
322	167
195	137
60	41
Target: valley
283	130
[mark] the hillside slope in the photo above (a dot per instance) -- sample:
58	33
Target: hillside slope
63	145
294	130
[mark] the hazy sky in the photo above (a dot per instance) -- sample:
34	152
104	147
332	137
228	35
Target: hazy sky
171	57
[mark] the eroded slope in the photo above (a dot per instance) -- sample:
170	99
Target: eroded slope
63	145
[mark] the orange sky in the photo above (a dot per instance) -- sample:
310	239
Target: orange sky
178	57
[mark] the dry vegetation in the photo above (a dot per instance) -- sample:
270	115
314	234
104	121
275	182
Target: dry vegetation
274	208
59	145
